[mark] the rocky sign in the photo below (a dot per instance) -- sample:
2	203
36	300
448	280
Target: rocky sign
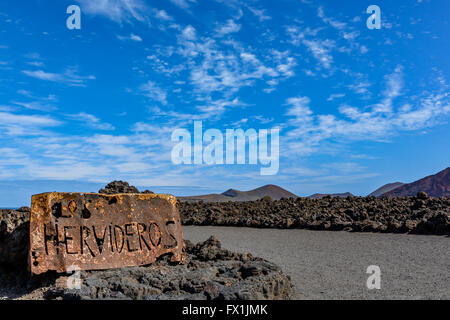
99	231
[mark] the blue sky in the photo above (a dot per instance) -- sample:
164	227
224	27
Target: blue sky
356	108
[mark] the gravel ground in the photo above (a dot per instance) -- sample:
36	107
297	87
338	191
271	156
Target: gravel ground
332	265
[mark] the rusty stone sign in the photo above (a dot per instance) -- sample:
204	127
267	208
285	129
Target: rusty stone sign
98	231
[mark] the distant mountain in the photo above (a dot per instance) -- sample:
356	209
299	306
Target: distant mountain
437	185
275	192
386	188
333	195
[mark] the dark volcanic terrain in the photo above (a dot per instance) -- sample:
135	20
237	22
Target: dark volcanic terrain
420	214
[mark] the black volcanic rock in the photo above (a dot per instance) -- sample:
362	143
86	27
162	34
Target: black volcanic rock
121	187
420	214
437	185
210	273
14	237
118	187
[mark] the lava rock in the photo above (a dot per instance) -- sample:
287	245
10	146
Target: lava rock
210	273
422	195
118	187
421	214
14	237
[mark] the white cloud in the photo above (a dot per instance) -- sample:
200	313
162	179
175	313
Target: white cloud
229	27
154	92
333	22
189	33
360	86
135	38
69	76
364	49
184	4
90	120
228	67
321	49
378	122
36	105
36	63
394	86
162	14
335	96
25	125
259	13
116	10
132	37
40	74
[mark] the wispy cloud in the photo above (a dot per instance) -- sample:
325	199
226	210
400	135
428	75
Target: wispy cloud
13	124
162	15
90	121
116	10
184	4
377	122
321	51
70	76
229	27
335	96
154	92
229	67
333	22
132	37
259	13
36	105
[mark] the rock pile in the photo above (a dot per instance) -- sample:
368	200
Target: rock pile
210	273
118	187
14	236
420	214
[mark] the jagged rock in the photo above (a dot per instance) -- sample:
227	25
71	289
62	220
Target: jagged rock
121	187
421	214
210	273
422	195
118	187
14	237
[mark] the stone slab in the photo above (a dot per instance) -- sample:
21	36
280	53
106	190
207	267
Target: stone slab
89	231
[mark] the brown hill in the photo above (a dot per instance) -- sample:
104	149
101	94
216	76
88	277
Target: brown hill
275	192
386	188
333	195
437	185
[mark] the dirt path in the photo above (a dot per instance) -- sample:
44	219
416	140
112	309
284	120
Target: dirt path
332	265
